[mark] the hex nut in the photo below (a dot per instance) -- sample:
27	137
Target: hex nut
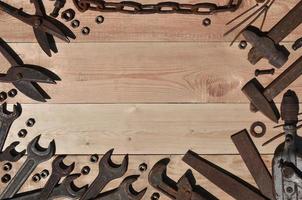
75	23
85	30
99	19
155	196
30	122
7	166
68	15
143	167
12	93
5	178
242	44
22	133
3	96
44	174
206	22
36	178
94	158
85	170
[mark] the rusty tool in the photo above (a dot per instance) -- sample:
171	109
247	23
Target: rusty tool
11	154
44	27
297	44
262	98
25	77
59	170
231	184
184	189
266	45
252	159
35	155
287	161
66	189
108	171
124	192
132	7
59	4
6	120
265	71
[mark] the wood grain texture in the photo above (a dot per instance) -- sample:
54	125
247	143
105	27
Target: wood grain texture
121	27
141	128
147	73
176	169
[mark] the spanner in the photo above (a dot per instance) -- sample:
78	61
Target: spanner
11	154
66	189
6	120
124	192
184	189
59	170
35	155
108	171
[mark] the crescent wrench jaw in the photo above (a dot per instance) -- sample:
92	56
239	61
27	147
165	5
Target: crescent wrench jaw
128	190
11	154
34	149
58	166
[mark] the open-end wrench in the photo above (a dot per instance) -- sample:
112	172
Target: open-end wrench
184	189
35	155
59	170
11	154
108	171
124	192
66	189
6	120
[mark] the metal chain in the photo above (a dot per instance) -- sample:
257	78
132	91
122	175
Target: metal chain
131	7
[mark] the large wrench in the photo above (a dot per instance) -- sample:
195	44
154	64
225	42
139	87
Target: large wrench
108	171
59	170
6	120
36	155
11	154
124	192
66	189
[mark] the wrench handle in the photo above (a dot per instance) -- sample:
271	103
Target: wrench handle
4	129
287	24
49	186
96	187
19	179
284	80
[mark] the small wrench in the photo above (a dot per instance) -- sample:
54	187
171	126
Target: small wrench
11	154
6	120
36	155
66	189
124	192
59	170
108	171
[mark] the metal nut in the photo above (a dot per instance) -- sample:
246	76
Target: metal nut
143	167
94	158
12	93
68	15
36	178
5	178
242	44
3	96
75	23
22	133
7	166
206	22
44	174
85	170
99	19
30	122
255	133
155	196
85	30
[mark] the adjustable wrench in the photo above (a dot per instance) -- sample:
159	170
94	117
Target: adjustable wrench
108	171
184	189
6	120
66	189
59	170
36	155
11	154
124	192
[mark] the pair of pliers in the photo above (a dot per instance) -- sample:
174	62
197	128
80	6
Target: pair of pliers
44	26
25	77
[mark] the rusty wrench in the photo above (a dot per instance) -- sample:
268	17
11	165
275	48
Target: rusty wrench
65	189
108	171
11	154
6	120
59	170
124	192
36	155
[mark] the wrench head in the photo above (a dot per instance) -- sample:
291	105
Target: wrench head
59	167
5	114
11	154
158	174
111	169
34	150
128	192
71	189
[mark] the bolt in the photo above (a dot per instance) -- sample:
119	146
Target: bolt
85	170
30	122
59	4
155	196
3	96
143	167
22	133
5	178
7	166
12	93
94	158
36	178
242	44
266	71
44	173
206	22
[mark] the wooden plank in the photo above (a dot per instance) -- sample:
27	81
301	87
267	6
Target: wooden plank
141	128
176	168
121	27
141	72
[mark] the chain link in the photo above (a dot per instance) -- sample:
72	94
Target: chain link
132	7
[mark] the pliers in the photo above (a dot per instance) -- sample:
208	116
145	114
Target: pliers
25	76
44	26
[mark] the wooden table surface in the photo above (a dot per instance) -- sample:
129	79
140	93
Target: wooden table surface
152	86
